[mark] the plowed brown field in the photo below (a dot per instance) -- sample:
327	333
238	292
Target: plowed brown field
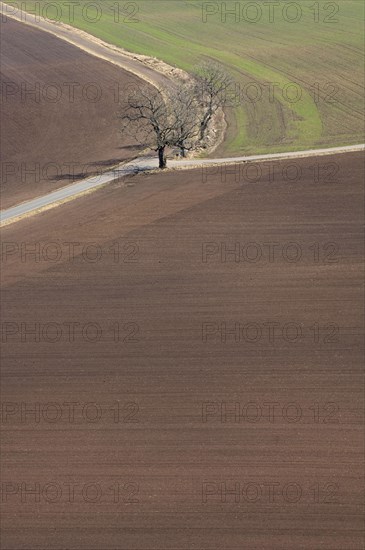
59	109
188	373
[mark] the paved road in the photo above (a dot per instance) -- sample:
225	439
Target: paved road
142	164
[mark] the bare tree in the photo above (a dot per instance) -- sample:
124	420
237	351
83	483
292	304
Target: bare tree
185	113
161	121
145	116
178	117
211	91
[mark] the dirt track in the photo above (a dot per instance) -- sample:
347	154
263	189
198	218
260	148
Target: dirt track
174	285
34	160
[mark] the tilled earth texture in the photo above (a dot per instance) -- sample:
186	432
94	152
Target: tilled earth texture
59	113
182	362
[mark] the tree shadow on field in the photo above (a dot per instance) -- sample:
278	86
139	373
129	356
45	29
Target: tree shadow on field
137	147
73	177
106	163
99	165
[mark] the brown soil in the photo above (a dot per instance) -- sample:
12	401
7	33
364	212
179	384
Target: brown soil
53	138
309	452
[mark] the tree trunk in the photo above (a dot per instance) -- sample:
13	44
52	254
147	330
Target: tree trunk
161	157
183	152
203	127
204	123
202	131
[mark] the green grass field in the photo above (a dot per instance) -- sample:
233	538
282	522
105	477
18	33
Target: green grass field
320	50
